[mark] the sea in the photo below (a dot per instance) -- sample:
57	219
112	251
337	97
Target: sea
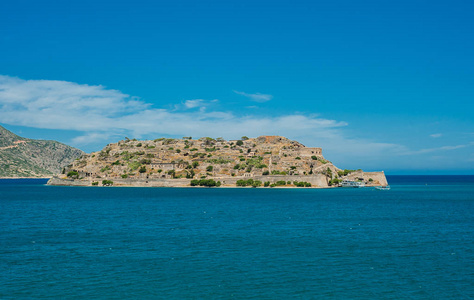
414	241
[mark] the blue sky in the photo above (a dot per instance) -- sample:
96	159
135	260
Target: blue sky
380	85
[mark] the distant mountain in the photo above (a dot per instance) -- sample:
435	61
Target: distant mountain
22	157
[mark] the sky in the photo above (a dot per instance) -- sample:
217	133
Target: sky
379	85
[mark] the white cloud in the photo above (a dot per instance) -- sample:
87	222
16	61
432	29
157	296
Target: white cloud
100	112
436	135
102	115
193	103
257	97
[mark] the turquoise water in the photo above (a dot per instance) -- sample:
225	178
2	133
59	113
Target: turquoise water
412	242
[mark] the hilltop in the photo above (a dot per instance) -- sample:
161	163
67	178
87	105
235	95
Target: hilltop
22	157
184	162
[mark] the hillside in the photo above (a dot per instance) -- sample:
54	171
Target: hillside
22	157
175	162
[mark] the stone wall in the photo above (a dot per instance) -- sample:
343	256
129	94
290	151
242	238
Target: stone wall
316	180
378	178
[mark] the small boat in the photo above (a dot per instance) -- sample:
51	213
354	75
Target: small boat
350	183
383	188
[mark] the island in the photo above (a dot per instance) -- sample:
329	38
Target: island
265	161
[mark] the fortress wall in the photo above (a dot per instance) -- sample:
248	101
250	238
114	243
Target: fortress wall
317	180
310	151
377	177
67	182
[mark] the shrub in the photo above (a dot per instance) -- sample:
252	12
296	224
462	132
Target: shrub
95	183
276	172
107	182
72	174
239	143
134	165
205	182
219	161
142	169
265	173
209	168
298	158
322	160
266	184
124	176
139	144
302	184
106	168
145	161
370	179
116	163
256	183
314	157
329	172
195	164
244	138
248	182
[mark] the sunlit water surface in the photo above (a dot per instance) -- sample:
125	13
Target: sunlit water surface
412	242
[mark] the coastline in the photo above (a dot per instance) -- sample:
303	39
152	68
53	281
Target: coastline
315	181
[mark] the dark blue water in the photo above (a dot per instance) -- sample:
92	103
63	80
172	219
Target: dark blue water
412	242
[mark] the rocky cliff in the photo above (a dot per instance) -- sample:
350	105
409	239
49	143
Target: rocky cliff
22	157
176	162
